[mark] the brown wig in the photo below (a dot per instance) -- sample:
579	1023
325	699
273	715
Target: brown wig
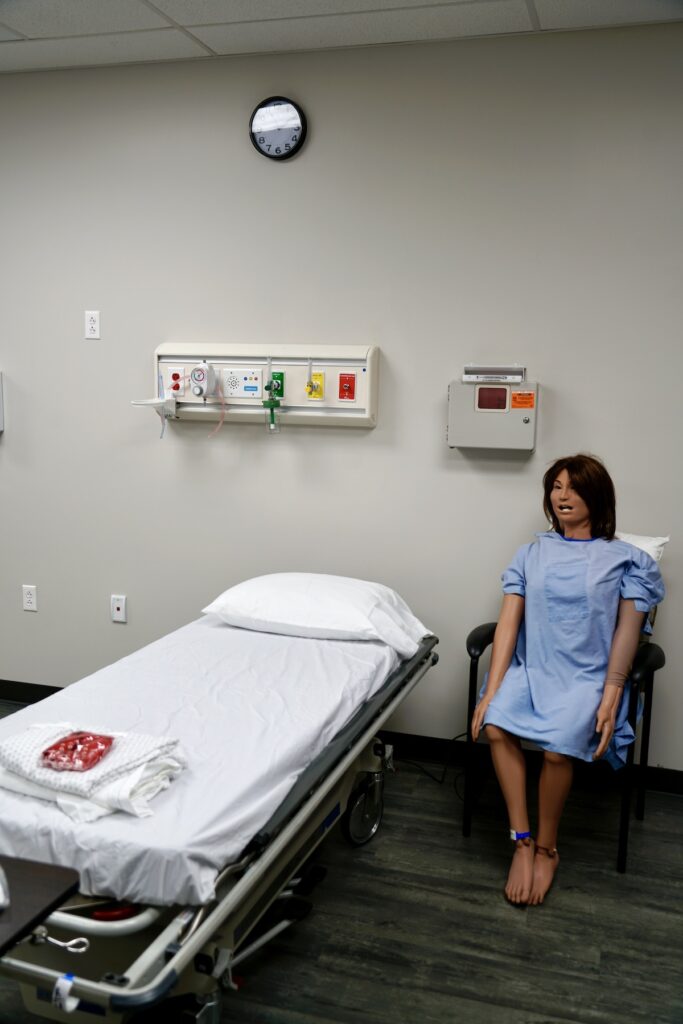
593	484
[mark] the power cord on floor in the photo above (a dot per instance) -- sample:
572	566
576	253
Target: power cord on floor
442	778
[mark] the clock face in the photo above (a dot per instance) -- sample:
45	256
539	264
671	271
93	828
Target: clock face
278	128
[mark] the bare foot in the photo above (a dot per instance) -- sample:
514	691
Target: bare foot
521	873
545	865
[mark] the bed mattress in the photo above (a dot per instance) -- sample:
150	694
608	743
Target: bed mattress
251	711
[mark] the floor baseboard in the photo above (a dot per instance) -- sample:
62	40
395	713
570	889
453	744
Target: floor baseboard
452	752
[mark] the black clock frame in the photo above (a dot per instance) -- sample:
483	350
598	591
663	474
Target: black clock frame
274	101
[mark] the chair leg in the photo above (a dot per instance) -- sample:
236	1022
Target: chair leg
644	747
627	786
468	795
624	817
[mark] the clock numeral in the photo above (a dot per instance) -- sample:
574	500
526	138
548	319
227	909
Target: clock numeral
261	139
295	138
277	149
287	146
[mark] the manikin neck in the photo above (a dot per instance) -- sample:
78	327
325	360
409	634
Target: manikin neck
582	531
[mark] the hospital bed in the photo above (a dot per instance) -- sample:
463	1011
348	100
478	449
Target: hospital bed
280	736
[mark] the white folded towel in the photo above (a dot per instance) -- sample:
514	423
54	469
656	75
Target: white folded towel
131	794
21	754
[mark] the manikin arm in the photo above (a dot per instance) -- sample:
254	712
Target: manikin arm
504	640
622	653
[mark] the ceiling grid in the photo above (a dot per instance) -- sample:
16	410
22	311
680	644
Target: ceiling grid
42	35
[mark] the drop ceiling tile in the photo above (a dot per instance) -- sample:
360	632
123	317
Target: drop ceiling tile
208	12
558	14
40	19
395	26
87	51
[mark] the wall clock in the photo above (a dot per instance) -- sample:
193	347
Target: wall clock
278	128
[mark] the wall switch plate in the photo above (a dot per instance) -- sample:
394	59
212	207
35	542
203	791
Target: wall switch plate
29	596
119	611
92	323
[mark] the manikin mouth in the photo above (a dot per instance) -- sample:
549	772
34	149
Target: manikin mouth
566	508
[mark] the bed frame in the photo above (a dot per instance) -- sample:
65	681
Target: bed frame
117	969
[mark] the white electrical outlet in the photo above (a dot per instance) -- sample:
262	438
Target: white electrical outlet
92	323
29	595
119	608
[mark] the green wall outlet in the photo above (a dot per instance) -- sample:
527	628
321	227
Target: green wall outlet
278	383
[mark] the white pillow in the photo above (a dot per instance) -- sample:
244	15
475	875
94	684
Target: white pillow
321	606
653	546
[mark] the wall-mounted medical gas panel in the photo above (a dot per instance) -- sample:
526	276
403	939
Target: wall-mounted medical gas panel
488	409
331	385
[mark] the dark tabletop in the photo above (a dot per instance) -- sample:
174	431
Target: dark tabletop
35	890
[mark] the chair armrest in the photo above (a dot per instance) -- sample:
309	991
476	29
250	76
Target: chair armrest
649	657
480	638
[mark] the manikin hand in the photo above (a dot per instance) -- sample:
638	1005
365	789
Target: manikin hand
504	640
604	725
478	717
624	647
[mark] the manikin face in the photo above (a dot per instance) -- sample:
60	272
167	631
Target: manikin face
570	509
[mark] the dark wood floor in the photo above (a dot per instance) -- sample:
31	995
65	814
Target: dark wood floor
413	927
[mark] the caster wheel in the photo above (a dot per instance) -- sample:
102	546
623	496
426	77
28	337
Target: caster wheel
363	815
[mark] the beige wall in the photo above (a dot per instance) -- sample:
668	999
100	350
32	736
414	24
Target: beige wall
504	199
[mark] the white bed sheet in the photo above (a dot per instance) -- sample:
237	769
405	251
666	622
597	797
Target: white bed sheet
251	711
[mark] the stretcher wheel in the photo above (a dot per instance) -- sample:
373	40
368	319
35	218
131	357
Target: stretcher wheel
363	814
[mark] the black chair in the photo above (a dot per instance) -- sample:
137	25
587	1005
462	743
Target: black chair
647	661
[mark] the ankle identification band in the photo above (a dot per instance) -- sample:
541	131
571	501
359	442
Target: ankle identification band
519	835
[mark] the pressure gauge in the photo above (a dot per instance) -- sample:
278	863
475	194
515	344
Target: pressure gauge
278	128
203	379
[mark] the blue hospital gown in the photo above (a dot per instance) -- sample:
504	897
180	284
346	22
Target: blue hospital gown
552	689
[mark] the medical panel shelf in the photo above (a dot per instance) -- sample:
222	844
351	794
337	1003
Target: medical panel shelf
349	397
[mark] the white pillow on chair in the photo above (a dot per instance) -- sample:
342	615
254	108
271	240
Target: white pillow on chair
653	546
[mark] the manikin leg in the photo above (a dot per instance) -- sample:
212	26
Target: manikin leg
510	766
553	790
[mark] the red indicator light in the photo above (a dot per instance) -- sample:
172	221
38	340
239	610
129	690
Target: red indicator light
492	399
175	376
